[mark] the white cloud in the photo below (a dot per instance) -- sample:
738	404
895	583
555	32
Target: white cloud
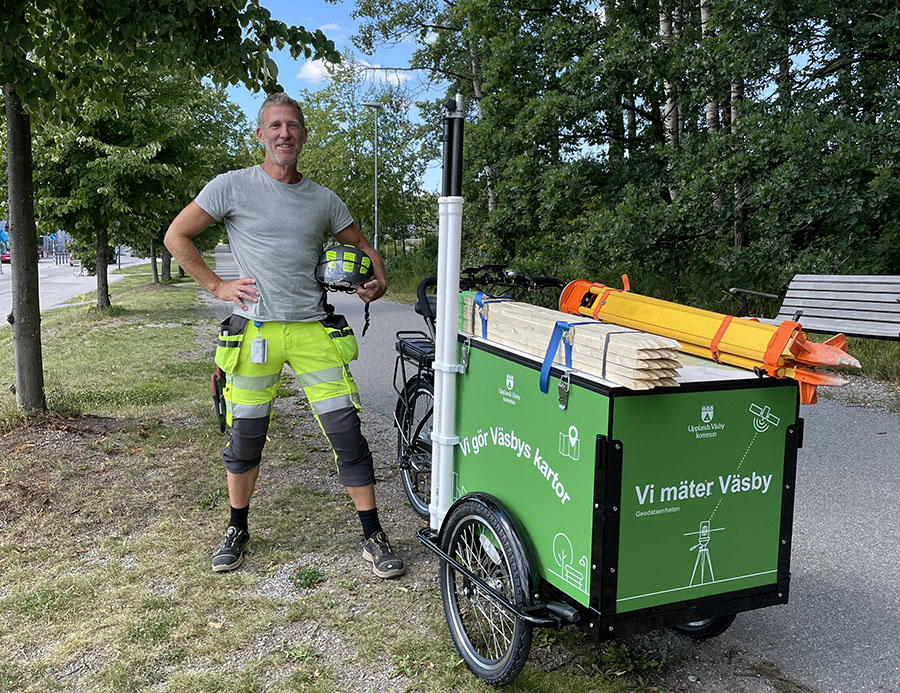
431	37
315	71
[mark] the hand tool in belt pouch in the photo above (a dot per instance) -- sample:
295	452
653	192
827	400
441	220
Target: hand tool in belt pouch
258	346
218	399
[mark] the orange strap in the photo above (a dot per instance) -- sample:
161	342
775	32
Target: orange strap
779	341
626	285
599	304
714	344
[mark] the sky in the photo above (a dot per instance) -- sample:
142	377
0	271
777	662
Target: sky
335	22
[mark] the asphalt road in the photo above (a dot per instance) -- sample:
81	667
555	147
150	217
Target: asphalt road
57	284
840	633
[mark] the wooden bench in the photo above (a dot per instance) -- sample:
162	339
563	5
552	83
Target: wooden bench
857	305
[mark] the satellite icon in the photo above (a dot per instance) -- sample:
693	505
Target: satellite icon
763	418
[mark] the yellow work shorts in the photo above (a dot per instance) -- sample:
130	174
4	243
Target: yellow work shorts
318	352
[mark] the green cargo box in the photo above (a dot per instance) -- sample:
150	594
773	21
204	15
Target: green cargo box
641	509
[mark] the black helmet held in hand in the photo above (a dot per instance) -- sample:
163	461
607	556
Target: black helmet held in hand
343	268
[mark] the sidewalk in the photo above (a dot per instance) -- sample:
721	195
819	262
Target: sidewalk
58	284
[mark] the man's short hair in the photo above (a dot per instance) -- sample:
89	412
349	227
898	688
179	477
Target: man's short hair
278	99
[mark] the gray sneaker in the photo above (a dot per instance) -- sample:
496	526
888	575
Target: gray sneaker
230	553
385	561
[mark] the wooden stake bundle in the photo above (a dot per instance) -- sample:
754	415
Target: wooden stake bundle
621	355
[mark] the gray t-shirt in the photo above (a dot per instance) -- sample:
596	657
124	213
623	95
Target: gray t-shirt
275	231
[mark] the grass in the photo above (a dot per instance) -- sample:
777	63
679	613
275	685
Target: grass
880	359
111	505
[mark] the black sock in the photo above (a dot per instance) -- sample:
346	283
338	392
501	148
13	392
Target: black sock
239	517
369	521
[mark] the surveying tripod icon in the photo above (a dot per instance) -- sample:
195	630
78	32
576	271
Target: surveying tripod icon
703	560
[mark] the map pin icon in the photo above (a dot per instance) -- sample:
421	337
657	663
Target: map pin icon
573	437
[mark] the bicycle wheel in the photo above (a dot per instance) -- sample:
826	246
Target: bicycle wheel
414	417
493	642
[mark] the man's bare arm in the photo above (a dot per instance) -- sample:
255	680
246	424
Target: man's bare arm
376	287
180	242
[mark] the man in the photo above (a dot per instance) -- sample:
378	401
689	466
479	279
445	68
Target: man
276	219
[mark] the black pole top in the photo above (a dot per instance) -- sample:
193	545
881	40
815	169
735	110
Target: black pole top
451	183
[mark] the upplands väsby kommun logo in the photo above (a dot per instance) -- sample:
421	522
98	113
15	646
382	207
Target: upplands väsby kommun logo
509	395
707	428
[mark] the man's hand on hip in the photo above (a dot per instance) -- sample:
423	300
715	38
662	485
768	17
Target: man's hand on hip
238	291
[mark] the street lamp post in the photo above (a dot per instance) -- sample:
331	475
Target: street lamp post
375	106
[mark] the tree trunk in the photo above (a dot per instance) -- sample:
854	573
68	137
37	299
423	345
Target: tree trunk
102	268
785	79
617	133
670	116
630	122
153	268
26	307
479	94
712	105
677	30
180	272
166	265
737	97
740	188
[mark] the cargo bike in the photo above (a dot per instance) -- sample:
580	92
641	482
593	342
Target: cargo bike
556	497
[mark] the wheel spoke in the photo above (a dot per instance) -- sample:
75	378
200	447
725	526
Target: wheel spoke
414	444
492	621
491	638
492	624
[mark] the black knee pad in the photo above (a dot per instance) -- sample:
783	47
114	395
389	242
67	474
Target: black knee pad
354	459
245	445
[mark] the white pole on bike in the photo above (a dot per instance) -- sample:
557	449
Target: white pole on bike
446	364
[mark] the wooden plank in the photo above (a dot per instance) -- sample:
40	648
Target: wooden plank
622	339
539	317
838	314
619	355
859	305
525	336
850	327
850	278
844	296
581	360
541	321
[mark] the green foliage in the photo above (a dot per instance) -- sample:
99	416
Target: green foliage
304	577
340	154
125	174
786	156
49	54
45	46
404	272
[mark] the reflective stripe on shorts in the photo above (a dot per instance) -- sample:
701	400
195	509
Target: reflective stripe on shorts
254	382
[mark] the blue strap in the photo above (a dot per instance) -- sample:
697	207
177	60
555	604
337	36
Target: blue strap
479	305
558	330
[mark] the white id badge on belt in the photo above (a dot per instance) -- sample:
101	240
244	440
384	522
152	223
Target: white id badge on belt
258	349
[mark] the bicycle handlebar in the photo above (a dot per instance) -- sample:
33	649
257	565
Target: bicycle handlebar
487	278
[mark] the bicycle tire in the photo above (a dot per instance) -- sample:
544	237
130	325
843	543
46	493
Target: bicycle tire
414	414
493	642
